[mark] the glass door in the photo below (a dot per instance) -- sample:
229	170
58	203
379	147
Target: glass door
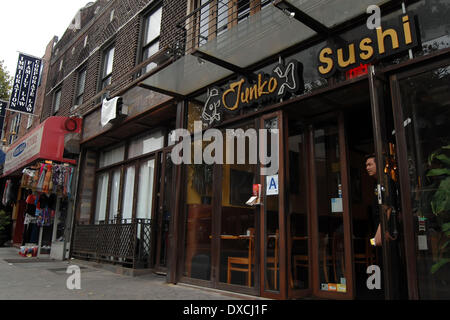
272	221
163	212
331	230
421	101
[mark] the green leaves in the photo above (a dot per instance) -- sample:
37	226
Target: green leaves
5	82
441	199
444	159
438	172
439	264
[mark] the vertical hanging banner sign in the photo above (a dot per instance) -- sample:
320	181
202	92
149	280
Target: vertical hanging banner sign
26	81
3	105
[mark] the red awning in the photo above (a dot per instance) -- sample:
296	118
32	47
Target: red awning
44	142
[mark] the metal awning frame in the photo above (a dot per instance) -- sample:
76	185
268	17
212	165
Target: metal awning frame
323	33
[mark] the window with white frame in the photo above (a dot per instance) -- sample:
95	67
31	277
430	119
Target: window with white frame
125	178
56	101
108	59
81	81
152	30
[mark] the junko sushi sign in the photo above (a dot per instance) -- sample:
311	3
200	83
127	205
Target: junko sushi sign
285	79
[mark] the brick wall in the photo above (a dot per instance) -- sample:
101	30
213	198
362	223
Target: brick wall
173	12
120	27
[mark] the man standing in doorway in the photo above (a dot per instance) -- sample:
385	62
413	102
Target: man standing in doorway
393	243
371	167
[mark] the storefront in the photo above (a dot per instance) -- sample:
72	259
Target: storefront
40	174
125	187
373	91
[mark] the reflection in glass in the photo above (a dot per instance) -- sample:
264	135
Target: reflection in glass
426	110
271	220
434	24
114	198
166	213
237	243
127	201
198	221
330	208
145	190
102	197
298	215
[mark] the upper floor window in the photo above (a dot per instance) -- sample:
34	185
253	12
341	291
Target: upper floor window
14	129
56	101
150	43
30	121
81	81
108	58
215	17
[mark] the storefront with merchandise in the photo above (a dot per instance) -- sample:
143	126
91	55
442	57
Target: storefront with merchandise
340	93
40	173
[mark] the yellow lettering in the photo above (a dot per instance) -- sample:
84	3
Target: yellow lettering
326	60
273	84
381	35
351	56
366	49
407	30
253	93
245	95
237	84
261	86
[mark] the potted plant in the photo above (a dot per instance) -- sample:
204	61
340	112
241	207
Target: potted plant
5	222
439	162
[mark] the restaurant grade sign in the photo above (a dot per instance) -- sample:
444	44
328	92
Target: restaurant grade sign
243	92
382	43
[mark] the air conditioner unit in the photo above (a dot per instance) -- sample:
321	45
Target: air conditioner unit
113	111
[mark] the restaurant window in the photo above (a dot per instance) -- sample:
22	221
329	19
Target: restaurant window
56	101
238	243
107	67
81	81
434	24
150	42
330	217
425	104
198	223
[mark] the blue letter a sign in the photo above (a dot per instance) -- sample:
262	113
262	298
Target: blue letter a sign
272	185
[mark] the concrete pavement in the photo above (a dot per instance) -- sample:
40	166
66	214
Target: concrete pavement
31	279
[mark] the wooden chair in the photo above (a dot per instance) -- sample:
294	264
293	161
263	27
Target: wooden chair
272	262
327	259
244	263
299	260
367	257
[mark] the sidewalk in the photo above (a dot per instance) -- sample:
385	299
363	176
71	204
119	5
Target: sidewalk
31	279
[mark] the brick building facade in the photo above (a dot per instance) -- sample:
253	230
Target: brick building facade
135	208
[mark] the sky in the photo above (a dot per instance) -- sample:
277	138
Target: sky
27	26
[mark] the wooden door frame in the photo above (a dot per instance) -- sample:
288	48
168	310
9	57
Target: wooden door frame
281	216
348	246
440	60
216	228
157	211
293	293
